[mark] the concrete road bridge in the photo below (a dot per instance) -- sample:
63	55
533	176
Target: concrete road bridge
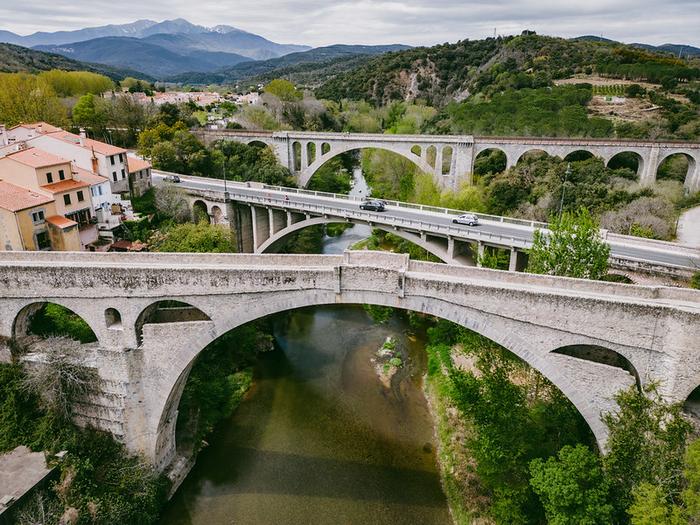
264	216
590	339
450	158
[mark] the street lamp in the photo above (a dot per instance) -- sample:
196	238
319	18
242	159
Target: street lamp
563	187
223	169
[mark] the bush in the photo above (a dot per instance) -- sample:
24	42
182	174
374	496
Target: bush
695	281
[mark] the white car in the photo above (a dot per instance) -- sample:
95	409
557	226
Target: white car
467	218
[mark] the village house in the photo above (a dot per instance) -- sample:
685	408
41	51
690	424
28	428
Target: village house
46	173
28	221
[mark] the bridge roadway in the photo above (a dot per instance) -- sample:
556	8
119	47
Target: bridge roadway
496	231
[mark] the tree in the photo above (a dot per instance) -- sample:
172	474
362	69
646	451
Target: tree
572	487
57	379
646	444
650	507
28	98
572	247
695	281
283	90
196	238
87	113
171	202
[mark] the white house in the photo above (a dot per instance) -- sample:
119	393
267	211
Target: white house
92	155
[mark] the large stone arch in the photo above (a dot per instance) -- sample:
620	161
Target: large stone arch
641	163
336	149
269	245
692	177
505	332
23	316
167	311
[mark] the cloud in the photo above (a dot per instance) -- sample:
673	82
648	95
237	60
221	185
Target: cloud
416	22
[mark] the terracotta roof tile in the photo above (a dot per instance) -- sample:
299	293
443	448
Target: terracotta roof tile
15	198
61	222
136	164
99	147
36	158
65	185
87	176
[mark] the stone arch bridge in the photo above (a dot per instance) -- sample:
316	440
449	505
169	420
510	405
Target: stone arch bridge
590	339
450	158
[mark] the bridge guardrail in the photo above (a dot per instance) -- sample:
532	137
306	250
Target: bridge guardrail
409	205
612	238
377	218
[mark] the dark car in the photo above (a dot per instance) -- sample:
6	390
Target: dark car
372	205
172	178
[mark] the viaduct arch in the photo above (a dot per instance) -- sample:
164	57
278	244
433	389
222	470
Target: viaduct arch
654	329
316	148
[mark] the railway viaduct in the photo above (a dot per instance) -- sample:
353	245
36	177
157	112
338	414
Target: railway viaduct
450	158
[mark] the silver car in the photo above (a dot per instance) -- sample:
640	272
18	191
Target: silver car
466	218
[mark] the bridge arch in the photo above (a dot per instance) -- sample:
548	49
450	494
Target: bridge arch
490	161
200	211
601	355
532	153
691	167
271	244
578	155
306	172
23	318
167	311
504	332
628	159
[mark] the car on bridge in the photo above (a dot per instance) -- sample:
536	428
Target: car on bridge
467	218
373	205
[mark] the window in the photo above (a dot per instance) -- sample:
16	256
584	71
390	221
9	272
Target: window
61	175
99	190
66	199
81	198
111	159
38	217
123	174
114	176
42	241
93	191
49	177
121	157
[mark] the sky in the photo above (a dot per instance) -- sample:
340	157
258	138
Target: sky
413	22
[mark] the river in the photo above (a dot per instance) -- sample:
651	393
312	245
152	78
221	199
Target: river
319	439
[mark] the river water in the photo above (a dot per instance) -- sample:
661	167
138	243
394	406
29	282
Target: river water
319	439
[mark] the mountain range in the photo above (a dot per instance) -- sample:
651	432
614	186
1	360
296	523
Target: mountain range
680	50
157	48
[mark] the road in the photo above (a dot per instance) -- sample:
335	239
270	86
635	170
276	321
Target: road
517	235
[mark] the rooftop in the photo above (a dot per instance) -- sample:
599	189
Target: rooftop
65	185
20	471
96	145
84	175
137	164
15	198
36	158
61	222
40	127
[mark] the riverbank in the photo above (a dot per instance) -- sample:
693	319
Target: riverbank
465	495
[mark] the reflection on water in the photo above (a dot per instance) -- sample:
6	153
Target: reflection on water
319	440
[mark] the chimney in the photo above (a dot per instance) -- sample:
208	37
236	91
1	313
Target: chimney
94	164
3	135
83	136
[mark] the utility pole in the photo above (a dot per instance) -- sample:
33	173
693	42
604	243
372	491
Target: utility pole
563	187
